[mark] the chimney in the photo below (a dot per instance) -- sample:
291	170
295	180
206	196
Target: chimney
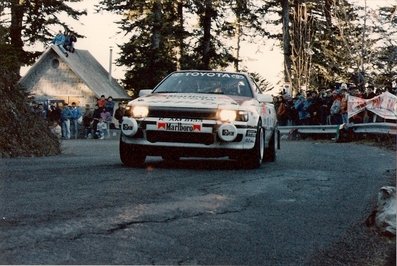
110	63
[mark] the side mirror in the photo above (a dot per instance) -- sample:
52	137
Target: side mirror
144	92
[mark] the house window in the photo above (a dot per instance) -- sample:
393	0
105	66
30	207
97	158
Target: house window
55	63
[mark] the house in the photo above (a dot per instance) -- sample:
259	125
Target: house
78	78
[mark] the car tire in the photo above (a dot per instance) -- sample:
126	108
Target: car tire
254	157
270	152
130	156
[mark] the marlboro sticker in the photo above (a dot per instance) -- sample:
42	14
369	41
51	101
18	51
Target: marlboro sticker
179	127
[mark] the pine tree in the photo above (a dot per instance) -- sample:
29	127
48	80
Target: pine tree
208	50
160	42
149	54
337	44
30	23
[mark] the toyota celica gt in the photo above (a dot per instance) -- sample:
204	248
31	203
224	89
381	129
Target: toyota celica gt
201	114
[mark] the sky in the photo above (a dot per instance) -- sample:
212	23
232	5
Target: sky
101	34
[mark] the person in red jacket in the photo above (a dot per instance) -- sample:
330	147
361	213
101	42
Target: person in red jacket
101	102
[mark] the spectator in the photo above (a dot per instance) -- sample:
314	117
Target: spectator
102	129
282	112
107	119
56	129
313	108
66	115
336	118
101	102
74	121
87	121
302	106
343	106
293	116
96	116
109	105
326	101
40	111
54	114
119	113
59	40
69	40
369	94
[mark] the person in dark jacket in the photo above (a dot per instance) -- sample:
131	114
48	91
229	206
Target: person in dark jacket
119	113
69	40
87	121
54	114
96	116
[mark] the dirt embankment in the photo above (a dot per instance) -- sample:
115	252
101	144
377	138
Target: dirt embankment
22	132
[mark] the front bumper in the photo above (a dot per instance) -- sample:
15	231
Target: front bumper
152	138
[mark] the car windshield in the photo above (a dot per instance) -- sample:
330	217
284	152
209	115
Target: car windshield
206	82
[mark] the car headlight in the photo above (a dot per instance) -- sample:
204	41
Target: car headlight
140	111
227	115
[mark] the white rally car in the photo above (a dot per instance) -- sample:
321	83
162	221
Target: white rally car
201	114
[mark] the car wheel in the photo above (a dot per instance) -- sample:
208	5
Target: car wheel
270	152
130	156
254	157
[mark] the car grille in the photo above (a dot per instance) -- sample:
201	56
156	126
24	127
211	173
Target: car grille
180	137
172	112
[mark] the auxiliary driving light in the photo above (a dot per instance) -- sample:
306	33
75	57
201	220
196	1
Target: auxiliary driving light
227	132
129	126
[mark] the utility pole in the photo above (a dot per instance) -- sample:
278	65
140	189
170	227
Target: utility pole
110	63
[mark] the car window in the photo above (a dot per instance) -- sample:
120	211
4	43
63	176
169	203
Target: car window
206	82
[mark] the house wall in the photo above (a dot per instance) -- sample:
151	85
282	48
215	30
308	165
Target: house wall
54	79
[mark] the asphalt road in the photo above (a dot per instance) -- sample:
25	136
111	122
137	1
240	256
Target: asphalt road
84	207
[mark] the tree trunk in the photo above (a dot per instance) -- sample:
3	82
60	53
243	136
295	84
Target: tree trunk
207	34
17	12
286	41
238	46
238	36
180	53
157	23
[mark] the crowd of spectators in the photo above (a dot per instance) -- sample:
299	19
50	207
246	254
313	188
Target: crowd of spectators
72	122
323	107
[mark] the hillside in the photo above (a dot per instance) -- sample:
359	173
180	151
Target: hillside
22	132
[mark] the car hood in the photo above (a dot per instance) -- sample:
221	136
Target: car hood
192	100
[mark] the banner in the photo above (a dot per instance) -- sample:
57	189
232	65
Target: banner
383	105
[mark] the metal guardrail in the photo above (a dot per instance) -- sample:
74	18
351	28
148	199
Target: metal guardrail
370	128
310	129
375	128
